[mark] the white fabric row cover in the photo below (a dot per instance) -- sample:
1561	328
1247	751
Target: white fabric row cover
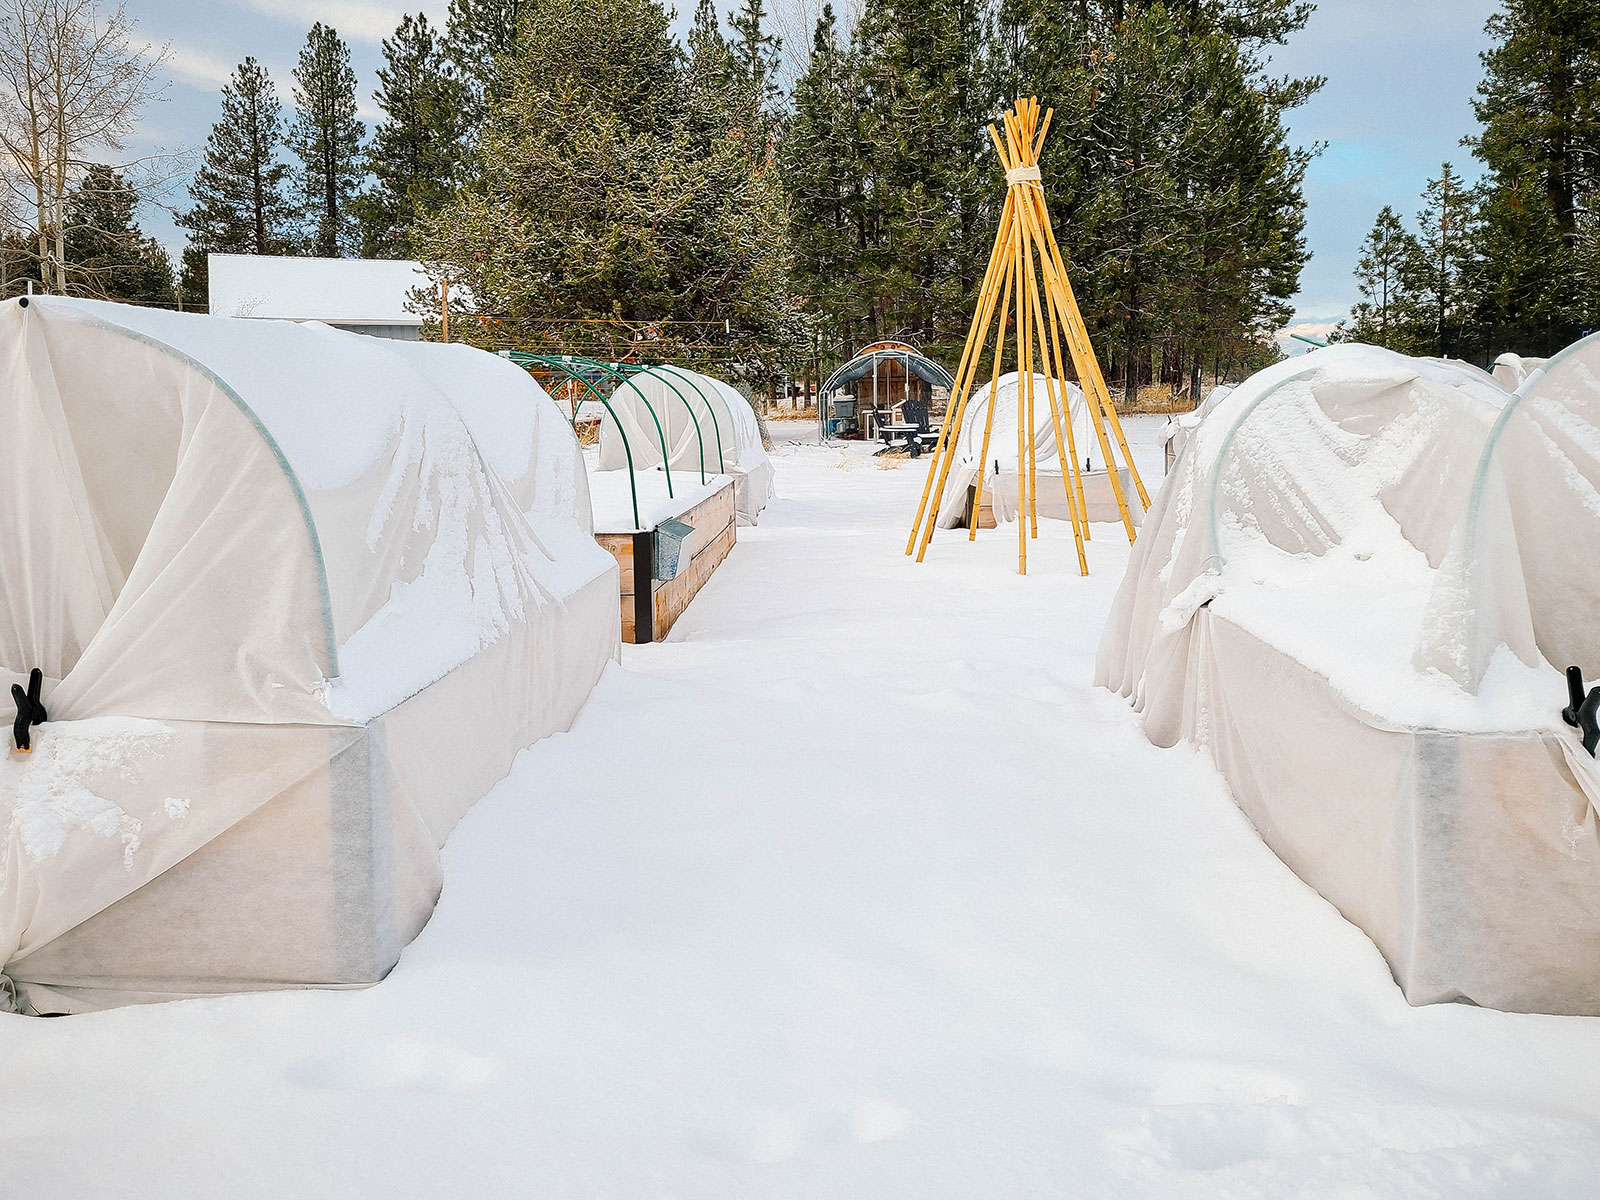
1512	370
695	423
1178	428
1000	465
1358	588
299	597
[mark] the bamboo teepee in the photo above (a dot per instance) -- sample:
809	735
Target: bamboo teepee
1026	271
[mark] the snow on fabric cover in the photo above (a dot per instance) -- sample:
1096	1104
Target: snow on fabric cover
232	547
1310	601
1524	569
1511	370
1344	468
386	440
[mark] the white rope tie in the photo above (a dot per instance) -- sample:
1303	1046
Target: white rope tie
1023	175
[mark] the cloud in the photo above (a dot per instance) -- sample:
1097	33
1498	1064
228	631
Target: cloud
1316	327
356	20
197	68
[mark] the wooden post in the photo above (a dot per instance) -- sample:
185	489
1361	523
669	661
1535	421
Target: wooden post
444	307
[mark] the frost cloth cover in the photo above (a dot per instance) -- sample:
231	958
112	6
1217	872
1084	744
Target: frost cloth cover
1355	589
701	421
1000	478
299	597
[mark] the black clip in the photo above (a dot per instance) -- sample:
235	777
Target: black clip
29	710
1581	711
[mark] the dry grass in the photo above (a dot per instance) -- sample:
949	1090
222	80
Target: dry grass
588	432
1155	398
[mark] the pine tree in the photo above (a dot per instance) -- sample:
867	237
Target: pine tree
416	151
1443	261
604	193
327	137
1176	192
239	205
478	34
823	175
1239	222
1538	101
1540	110
1387	314
756	51
709	75
107	254
924	95
706	30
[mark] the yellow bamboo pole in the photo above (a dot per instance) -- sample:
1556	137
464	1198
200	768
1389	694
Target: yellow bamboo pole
1013	137
957	402
988	416
1076	315
1027	510
1074	480
1054	379
1032	438
1111	409
1030	145
958	398
949	443
1088	369
1023	373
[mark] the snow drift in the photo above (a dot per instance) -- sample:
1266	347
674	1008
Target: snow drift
299	597
1355	589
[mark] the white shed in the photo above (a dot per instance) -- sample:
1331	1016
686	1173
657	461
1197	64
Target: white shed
360	295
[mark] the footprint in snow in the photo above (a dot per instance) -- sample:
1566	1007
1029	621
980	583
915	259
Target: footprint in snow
771	1135
382	1065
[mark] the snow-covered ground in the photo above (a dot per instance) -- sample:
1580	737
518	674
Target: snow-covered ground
853	888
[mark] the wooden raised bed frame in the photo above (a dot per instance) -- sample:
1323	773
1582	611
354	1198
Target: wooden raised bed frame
654	607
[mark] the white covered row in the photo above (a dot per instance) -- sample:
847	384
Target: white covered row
1358	588
694	423
299	597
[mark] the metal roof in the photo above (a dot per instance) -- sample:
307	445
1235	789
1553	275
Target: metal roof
342	291
865	363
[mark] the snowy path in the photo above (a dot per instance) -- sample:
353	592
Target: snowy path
853	889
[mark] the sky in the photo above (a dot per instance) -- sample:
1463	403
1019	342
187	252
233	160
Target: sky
1401	75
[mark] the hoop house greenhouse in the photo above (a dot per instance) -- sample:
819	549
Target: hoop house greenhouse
298	597
1357	590
696	423
1000	476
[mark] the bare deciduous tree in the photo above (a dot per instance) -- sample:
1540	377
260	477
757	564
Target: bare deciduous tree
73	85
796	21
